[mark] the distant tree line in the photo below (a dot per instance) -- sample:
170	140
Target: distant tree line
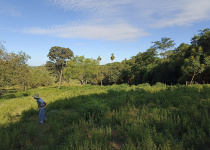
188	63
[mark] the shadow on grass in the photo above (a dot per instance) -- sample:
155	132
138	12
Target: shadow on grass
12	93
177	117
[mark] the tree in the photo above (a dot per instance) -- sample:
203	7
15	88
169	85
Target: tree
91	70
70	70
163	46
193	65
40	77
99	58
203	40
112	57
127	75
22	72
13	69
53	71
83	69
4	58
112	73
100	75
75	69
58	57
143	64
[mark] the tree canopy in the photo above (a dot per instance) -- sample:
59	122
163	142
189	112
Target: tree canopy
58	57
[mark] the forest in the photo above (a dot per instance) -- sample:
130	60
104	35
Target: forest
185	64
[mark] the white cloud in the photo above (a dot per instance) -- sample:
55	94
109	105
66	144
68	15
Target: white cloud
88	5
162	12
183	12
111	32
124	19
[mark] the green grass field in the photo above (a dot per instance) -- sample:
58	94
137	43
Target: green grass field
108	117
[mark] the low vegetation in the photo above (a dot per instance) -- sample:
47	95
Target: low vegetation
108	117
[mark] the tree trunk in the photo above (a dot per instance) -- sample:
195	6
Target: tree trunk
82	82
68	82
59	84
101	78
192	79
25	87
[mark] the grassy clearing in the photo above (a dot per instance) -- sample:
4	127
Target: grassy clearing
109	117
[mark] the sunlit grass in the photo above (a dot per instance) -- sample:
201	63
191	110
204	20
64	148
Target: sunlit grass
109	117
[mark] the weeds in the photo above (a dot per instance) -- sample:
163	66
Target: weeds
110	117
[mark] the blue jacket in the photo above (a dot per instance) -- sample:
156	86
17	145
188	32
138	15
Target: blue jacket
40	103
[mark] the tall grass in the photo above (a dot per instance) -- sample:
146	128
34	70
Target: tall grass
109	117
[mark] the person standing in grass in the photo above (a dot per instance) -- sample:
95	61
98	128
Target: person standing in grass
41	106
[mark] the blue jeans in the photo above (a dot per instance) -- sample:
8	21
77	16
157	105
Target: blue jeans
42	116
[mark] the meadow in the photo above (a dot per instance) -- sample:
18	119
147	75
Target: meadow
108	117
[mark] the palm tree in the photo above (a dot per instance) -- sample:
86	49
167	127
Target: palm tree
112	57
99	59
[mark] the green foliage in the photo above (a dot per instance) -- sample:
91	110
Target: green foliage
112	73
163	46
193	65
112	57
58	57
99	58
84	69
13	69
109	117
40	77
185	63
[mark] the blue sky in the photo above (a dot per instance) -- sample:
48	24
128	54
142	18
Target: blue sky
98	27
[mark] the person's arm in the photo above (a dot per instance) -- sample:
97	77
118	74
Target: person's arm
38	103
45	104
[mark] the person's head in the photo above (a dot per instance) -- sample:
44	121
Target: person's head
36	96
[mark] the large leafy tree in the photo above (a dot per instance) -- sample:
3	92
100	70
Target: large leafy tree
113	73
83	69
58	57
40	77
70	70
164	45
127	75
22	73
193	67
143	64
75	69
91	70
13	69
196	64
203	40
100	77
